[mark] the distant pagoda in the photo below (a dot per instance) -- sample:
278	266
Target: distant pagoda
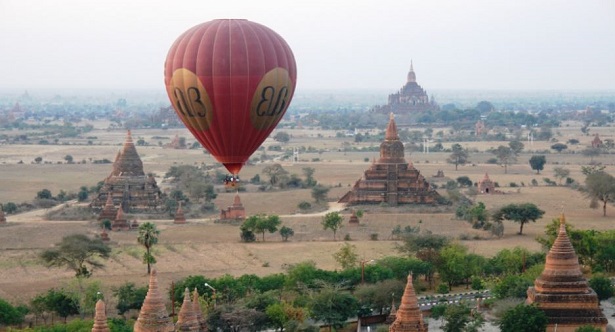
408	317
235	211
128	185
391	179
109	211
562	292
180	218
153	316
120	223
410	98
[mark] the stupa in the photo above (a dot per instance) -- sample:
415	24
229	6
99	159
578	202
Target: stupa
2	217
391	179
235	211
109	211
562	292
409	99
179	215
119	222
104	236
153	316
100	318
596	142
196	306
408	317
186	319
128	185
486	186
392	315
354	219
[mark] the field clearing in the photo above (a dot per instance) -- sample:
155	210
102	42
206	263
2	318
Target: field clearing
211	249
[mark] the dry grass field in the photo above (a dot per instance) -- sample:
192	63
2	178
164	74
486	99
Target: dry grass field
205	247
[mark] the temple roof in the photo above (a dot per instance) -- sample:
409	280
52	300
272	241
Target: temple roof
411	75
127	161
153	316
196	307
408	316
237	200
562	273
391	133
180	218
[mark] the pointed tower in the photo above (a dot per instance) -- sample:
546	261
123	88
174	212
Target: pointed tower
486	186
392	315
410	99
179	215
411	75
129	183
408	317
562	292
2	217
119	222
196	306
391	179
100	318
153	316
186	319
108	212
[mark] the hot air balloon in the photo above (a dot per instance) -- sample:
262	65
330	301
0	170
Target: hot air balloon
230	81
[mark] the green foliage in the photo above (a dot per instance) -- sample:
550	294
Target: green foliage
505	156
44	194
346	256
524	318
303	205
464	181
537	162
319	193
377	297
148	237
129	297
9	207
333	307
603	286
458	317
282	137
512	286
561	173
332	221
261	223
286	232
60	302
443	289
459	155
600	186
78	253
520	213
559	147
588	328
10	315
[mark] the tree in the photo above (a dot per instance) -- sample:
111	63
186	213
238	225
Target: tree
516	146
524	318
505	156
38	160
459	155
282	137
10	315
333	307
83	194
426	247
600	186
276	174
78	253
459	317
538	162
347	256
129	297
332	221
286	232
309	176
261	223
44	194
559	147
521	213
561	173
319	193
591	153
588	328
61	303
464	181
68	158
148	237
602	286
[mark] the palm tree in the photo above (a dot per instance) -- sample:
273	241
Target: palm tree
148	236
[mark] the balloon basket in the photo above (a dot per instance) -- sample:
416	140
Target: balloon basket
231	181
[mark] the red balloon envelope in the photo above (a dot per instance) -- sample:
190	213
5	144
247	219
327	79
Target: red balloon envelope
230	82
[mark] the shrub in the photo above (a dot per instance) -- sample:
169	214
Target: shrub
347	237
304	205
443	289
373	236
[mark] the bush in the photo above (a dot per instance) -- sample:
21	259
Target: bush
477	283
602	286
304	205
443	289
247	236
347	237
373	236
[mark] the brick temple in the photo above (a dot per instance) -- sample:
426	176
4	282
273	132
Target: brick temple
128	185
562	292
408	317
235	211
391	179
153	316
410	98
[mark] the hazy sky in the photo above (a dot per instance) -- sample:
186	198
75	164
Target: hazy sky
458	44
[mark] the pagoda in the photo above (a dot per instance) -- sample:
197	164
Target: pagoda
109	211
562	292
100	318
128	185
486	186
391	179
153	316
235	211
410	98
196	306
119	222
2	217
596	142
179	215
408	317
186	319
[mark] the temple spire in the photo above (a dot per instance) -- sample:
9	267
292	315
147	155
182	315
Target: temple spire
186	319
391	133
153	316
100	318
408	316
411	74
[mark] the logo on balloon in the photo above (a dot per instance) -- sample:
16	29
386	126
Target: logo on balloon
271	98
190	100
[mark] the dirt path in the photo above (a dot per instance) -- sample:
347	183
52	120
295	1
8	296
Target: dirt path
37	216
